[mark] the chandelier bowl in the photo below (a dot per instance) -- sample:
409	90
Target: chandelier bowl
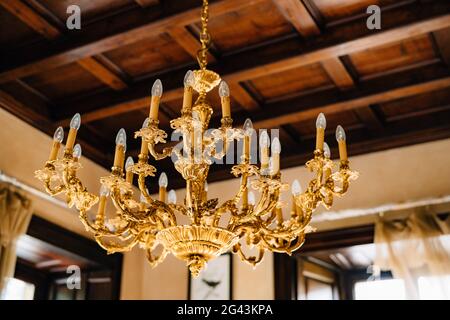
196	244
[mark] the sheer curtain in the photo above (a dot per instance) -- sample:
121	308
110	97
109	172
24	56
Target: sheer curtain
414	249
15	215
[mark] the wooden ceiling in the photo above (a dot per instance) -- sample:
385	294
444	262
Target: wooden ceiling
285	61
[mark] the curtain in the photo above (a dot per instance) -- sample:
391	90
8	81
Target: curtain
15	215
414	249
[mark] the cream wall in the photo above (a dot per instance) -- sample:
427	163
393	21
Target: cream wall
393	176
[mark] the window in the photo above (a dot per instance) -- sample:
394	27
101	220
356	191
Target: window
393	289
16	289
430	288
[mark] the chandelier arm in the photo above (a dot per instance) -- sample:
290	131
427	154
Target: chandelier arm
252	260
166	152
113	248
155	260
55	190
143	188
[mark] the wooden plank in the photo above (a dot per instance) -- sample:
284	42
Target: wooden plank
272	121
338	73
442	39
147	3
87	46
188	41
326	49
101	72
31	18
370	119
296	12
242	96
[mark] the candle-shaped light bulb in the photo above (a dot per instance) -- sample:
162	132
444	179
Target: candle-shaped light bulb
104	191
129	163
321	121
59	135
276	150
340	137
121	139
340	134
326	150
172	197
296	189
224	93
264	140
206	186
189	79
121	148
264	143
145	123
224	90
248	127
276	146
142	198
163	181
321	124
75	123
157	89
74	126
251	198
77	151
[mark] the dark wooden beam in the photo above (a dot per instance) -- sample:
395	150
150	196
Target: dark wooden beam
147	3
243	97
27	15
296	13
370	118
265	61
442	39
108	35
358	99
103	73
338	73
188	41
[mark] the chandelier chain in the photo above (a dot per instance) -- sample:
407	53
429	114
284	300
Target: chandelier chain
205	37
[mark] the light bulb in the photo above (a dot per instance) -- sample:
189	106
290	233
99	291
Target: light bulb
321	121
172	197
189	79
59	135
77	151
264	141
326	150
142	199
224	90
276	145
248	127
251	198
340	134
121	138
145	123
296	189
157	89
129	163
75	122
104	191
206	186
163	182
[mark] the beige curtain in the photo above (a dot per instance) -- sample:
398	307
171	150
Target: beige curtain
15	215
414	248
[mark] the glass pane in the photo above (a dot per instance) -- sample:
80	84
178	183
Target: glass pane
16	289
434	288
318	290
380	290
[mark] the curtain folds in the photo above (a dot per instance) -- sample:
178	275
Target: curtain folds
414	249
15	215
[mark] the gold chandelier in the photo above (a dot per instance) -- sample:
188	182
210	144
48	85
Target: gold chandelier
152	222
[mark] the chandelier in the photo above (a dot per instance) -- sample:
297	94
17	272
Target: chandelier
152	223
